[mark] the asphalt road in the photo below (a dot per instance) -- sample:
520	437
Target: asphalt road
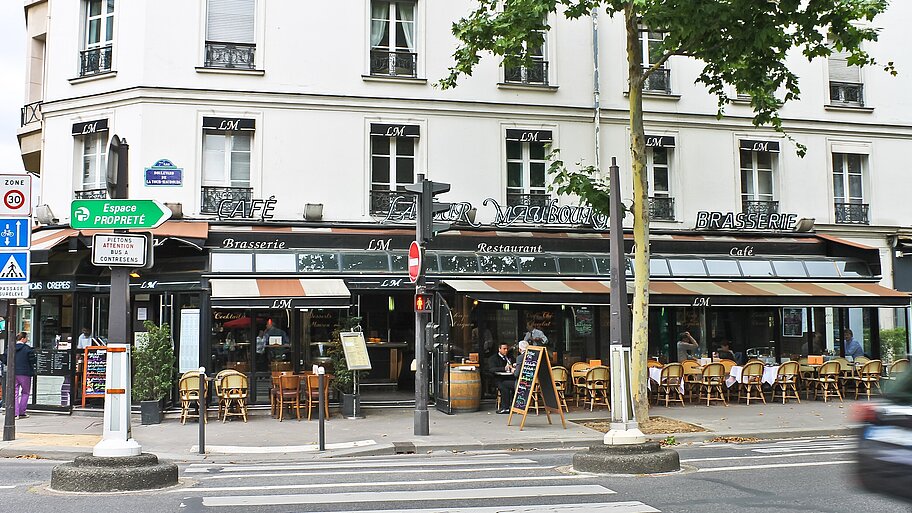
795	475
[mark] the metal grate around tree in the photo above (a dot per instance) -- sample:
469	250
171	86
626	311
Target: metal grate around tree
852	213
212	196
230	55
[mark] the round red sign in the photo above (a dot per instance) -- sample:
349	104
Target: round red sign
414	261
14	199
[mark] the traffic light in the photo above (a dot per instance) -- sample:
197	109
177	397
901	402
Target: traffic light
425	190
424	302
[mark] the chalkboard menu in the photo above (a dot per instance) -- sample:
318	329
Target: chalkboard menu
53	362
93	372
535	372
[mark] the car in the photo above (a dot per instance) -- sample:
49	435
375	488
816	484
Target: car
884	431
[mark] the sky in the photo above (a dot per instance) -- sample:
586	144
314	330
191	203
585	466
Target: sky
12	82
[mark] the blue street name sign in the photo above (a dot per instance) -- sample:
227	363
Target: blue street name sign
15	232
14	267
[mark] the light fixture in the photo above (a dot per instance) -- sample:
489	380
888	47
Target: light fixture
134	274
506	306
475	303
391	303
805	224
44	215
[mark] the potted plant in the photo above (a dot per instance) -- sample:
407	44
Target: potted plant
153	371
344	379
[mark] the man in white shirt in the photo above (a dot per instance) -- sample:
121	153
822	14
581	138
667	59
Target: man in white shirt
85	339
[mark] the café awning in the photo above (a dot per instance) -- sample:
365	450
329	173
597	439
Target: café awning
687	293
279	293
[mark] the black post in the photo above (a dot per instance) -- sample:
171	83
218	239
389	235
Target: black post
320	405
9	395
619	326
119	315
202	410
421	421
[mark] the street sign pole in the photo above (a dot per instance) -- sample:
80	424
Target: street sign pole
9	397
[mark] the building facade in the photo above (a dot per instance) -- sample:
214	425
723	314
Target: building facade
286	163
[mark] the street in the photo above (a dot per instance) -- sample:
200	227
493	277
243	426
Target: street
790	475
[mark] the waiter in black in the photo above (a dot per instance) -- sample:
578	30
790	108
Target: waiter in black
500	366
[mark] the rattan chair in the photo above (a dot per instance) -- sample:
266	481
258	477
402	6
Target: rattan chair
597	381
670	383
713	380
289	394
218	389
652	363
869	377
561	381
728	364
898	367
579	381
693	378
189	391
751	381
787	379
233	394
827	380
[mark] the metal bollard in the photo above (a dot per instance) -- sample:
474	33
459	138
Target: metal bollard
321	375
202	410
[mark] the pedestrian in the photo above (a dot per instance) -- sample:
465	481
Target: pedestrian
852	347
85	339
24	363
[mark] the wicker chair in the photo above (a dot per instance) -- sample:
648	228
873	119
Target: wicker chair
752	381
579	380
713	380
787	379
218	389
898	367
597	381
561	382
693	378
233	393
670	383
827	380
189	391
869	377
652	363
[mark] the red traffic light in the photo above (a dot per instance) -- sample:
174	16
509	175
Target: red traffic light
424	302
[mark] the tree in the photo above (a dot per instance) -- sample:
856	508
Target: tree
741	43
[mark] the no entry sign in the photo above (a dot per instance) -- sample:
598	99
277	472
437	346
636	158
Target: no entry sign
414	261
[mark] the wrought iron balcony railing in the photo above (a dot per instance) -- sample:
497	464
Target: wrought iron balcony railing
659	81
212	196
31	113
91	194
662	208
382	200
847	93
536	73
95	61
852	213
759	207
393	64
230	55
536	199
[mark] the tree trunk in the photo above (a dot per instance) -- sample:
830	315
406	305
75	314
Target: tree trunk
640	324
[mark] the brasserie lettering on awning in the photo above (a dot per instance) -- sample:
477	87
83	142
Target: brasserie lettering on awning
90	127
660	141
762	146
229	124
395	130
514	134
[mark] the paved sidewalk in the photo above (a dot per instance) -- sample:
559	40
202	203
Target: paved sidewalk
384	431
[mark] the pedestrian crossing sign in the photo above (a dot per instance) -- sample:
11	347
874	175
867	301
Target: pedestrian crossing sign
15	267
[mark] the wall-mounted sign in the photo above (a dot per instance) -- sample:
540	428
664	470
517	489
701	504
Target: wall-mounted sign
261	209
164	173
528	135
51	285
741	251
90	127
503	248
232	243
120	250
229	124
660	141
394	130
745	221
761	146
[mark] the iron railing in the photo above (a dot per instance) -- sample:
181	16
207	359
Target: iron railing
382	200
662	208
536	73
852	213
31	113
759	207
95	61
230	55
212	196
659	81
91	194
535	199
847	93
393	64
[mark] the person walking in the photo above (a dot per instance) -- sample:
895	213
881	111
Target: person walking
24	362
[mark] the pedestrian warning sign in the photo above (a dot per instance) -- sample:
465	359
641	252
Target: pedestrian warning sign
15	267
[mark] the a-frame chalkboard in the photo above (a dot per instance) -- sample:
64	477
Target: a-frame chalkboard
535	368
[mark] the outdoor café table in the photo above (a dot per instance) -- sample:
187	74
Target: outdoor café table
655	374
769	375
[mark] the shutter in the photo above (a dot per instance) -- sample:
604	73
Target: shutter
231	21
840	71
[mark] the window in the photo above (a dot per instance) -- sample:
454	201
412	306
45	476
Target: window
576	265
650	52
231	34
526	163
687	267
227	145
658	166
789	269
94	166
846	87
848	189
757	168
535	73
393	49
392	165
98	46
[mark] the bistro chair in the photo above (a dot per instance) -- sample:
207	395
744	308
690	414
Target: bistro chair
537	400
289	394
827	381
218	389
671	383
274	391
597	380
898	367
312	399
728	364
787	382
693	377
234	387
713	380
869	377
752	381
578	374
561	376
653	363
861	360
189	391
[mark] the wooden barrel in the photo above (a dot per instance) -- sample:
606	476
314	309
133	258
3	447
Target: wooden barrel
465	389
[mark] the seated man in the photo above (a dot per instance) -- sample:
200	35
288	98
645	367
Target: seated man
725	352
500	366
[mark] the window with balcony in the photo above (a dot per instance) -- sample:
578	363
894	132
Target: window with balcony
650	52
536	71
98	45
758	168
393	48
227	147
392	166
94	166
846	86
848	188
231	34
526	167
658	165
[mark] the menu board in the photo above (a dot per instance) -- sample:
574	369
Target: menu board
94	372
189	339
535	370
355	348
53	362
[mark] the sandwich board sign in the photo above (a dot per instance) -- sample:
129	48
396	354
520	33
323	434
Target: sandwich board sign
535	370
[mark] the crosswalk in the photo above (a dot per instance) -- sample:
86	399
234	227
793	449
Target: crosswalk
772	455
481	483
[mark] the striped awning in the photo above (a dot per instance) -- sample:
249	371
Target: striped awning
686	293
279	293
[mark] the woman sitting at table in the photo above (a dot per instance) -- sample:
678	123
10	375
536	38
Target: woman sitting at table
725	352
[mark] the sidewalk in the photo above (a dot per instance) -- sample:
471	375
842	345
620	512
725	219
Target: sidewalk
388	431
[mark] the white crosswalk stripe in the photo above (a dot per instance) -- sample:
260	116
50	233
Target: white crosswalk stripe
490	483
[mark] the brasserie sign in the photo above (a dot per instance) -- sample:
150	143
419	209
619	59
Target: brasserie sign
745	221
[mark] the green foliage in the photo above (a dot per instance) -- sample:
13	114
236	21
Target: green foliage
584	183
153	364
343	379
892	344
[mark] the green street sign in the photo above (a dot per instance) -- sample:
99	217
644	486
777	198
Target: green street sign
117	214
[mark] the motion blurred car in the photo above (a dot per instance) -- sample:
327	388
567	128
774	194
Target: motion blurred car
884	460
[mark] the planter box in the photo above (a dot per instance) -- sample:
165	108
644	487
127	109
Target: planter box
150	412
351	406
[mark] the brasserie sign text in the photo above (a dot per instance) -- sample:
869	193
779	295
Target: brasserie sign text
745	221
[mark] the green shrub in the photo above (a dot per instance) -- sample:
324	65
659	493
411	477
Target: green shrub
153	364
